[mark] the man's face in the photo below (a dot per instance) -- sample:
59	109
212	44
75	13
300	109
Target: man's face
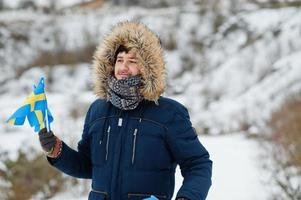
126	65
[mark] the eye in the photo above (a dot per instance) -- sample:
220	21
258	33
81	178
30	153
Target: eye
133	61
119	60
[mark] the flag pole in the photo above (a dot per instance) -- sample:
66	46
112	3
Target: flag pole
47	125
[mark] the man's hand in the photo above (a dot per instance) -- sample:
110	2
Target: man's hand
47	140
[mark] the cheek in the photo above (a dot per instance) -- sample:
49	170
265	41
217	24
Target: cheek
116	69
135	70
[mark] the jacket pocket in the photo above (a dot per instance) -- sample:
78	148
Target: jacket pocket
98	195
149	153
147	148
141	196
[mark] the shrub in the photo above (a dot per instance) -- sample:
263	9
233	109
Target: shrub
285	150
29	174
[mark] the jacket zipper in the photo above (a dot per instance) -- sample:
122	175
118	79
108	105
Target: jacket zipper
134	145
134	142
120	128
108	140
146	195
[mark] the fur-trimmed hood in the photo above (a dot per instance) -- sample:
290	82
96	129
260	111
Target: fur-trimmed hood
146	45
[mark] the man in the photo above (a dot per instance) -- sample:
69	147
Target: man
133	138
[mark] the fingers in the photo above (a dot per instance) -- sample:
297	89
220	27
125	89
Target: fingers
48	145
46	135
42	131
47	140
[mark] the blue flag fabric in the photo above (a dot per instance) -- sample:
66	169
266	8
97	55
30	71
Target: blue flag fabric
35	108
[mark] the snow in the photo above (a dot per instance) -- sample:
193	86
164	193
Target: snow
42	3
236	172
266	19
227	79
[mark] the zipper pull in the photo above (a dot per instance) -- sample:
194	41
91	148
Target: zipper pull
108	140
120	122
135	132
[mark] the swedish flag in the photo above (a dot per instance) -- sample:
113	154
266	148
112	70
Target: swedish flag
35	109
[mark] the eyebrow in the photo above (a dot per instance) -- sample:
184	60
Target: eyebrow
129	57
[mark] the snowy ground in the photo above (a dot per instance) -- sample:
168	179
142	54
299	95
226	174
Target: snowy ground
236	171
236	168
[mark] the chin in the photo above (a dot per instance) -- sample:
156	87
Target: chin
123	77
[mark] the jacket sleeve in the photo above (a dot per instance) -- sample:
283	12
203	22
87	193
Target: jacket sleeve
76	163
191	155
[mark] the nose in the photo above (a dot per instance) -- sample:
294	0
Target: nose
124	66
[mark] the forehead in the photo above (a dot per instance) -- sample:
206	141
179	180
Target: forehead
129	54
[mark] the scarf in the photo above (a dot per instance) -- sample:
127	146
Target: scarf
125	93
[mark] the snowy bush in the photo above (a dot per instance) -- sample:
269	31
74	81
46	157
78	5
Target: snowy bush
285	150
28	175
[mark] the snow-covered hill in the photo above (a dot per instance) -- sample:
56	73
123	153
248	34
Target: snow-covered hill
230	70
237	76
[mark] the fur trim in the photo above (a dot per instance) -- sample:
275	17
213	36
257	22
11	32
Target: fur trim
146	45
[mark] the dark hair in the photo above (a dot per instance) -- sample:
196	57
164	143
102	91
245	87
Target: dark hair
120	49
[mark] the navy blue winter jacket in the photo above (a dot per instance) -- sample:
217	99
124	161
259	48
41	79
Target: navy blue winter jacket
133	154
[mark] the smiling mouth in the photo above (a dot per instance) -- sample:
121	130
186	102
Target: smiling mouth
124	75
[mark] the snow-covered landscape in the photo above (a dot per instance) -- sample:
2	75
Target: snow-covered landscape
231	64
